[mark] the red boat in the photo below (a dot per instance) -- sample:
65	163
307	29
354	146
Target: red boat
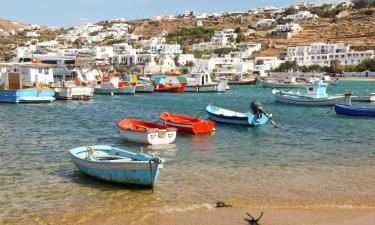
187	124
169	88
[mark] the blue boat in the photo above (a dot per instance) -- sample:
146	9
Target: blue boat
231	117
27	95
354	111
116	165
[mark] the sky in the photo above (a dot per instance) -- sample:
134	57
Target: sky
67	13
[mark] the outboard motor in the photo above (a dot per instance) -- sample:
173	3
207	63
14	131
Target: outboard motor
257	109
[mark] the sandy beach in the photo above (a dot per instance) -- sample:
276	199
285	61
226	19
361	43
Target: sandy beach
225	216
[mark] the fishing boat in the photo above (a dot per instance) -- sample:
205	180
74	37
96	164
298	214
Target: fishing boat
201	82
144	88
315	95
240	80
281	84
364	98
111	84
13	91
222	115
146	132
116	165
187	124
355	111
168	84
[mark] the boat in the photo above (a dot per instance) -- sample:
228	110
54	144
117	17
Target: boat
354	111
201	82
168	84
286	82
187	124
146	132
315	95
74	93
239	80
13	91
111	84
364	98
116	165
222	115
144	88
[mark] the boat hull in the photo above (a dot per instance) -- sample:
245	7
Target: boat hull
369	98
27	96
144	88
74	93
204	88
153	137
245	119
354	111
116	91
245	82
138	172
299	100
175	88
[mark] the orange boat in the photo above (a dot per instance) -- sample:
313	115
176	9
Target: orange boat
187	124
145	132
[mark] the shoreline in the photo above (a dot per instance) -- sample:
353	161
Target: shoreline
233	215
354	78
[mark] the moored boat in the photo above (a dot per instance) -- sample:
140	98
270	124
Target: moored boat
315	95
201	82
354	110
187	124
144	88
74	92
241	80
364	98
14	92
111	84
222	115
279	84
146	132
168	84
116	165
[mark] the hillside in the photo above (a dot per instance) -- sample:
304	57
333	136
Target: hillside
10	25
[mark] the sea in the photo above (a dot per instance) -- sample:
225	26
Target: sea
314	159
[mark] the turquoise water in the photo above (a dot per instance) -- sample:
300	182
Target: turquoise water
313	159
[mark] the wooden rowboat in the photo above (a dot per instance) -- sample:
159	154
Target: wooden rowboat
145	132
117	165
187	124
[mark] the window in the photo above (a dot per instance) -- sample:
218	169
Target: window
40	70
46	71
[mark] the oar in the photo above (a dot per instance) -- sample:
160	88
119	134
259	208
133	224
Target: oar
273	123
330	110
270	117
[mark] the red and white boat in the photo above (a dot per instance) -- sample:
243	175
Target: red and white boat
169	83
187	124
146	132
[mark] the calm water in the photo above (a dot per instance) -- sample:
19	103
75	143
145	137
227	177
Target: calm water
314	159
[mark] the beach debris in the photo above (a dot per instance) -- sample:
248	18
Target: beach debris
221	204
253	221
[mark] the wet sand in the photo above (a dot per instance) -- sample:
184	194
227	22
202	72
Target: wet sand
355	78
225	216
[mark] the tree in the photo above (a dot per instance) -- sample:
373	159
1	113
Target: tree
335	67
287	66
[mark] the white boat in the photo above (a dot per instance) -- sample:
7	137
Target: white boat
365	98
315	95
201	82
111	85
145	132
144	88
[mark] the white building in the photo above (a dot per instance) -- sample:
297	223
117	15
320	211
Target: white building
32	34
223	65
289	27
322	54
264	64
302	15
183	59
221	39
265	23
104	52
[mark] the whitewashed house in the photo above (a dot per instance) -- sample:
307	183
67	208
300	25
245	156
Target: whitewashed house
183	59
288	27
322	54
302	15
32	34
265	23
103	53
222	39
265	64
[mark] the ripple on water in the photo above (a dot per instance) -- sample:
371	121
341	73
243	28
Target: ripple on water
314	159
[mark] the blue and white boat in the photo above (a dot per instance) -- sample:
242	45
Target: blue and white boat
221	115
354	111
30	95
315	95
116	165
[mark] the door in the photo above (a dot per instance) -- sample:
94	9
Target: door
14	81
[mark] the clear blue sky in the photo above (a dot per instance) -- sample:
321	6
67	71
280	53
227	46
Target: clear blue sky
70	12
